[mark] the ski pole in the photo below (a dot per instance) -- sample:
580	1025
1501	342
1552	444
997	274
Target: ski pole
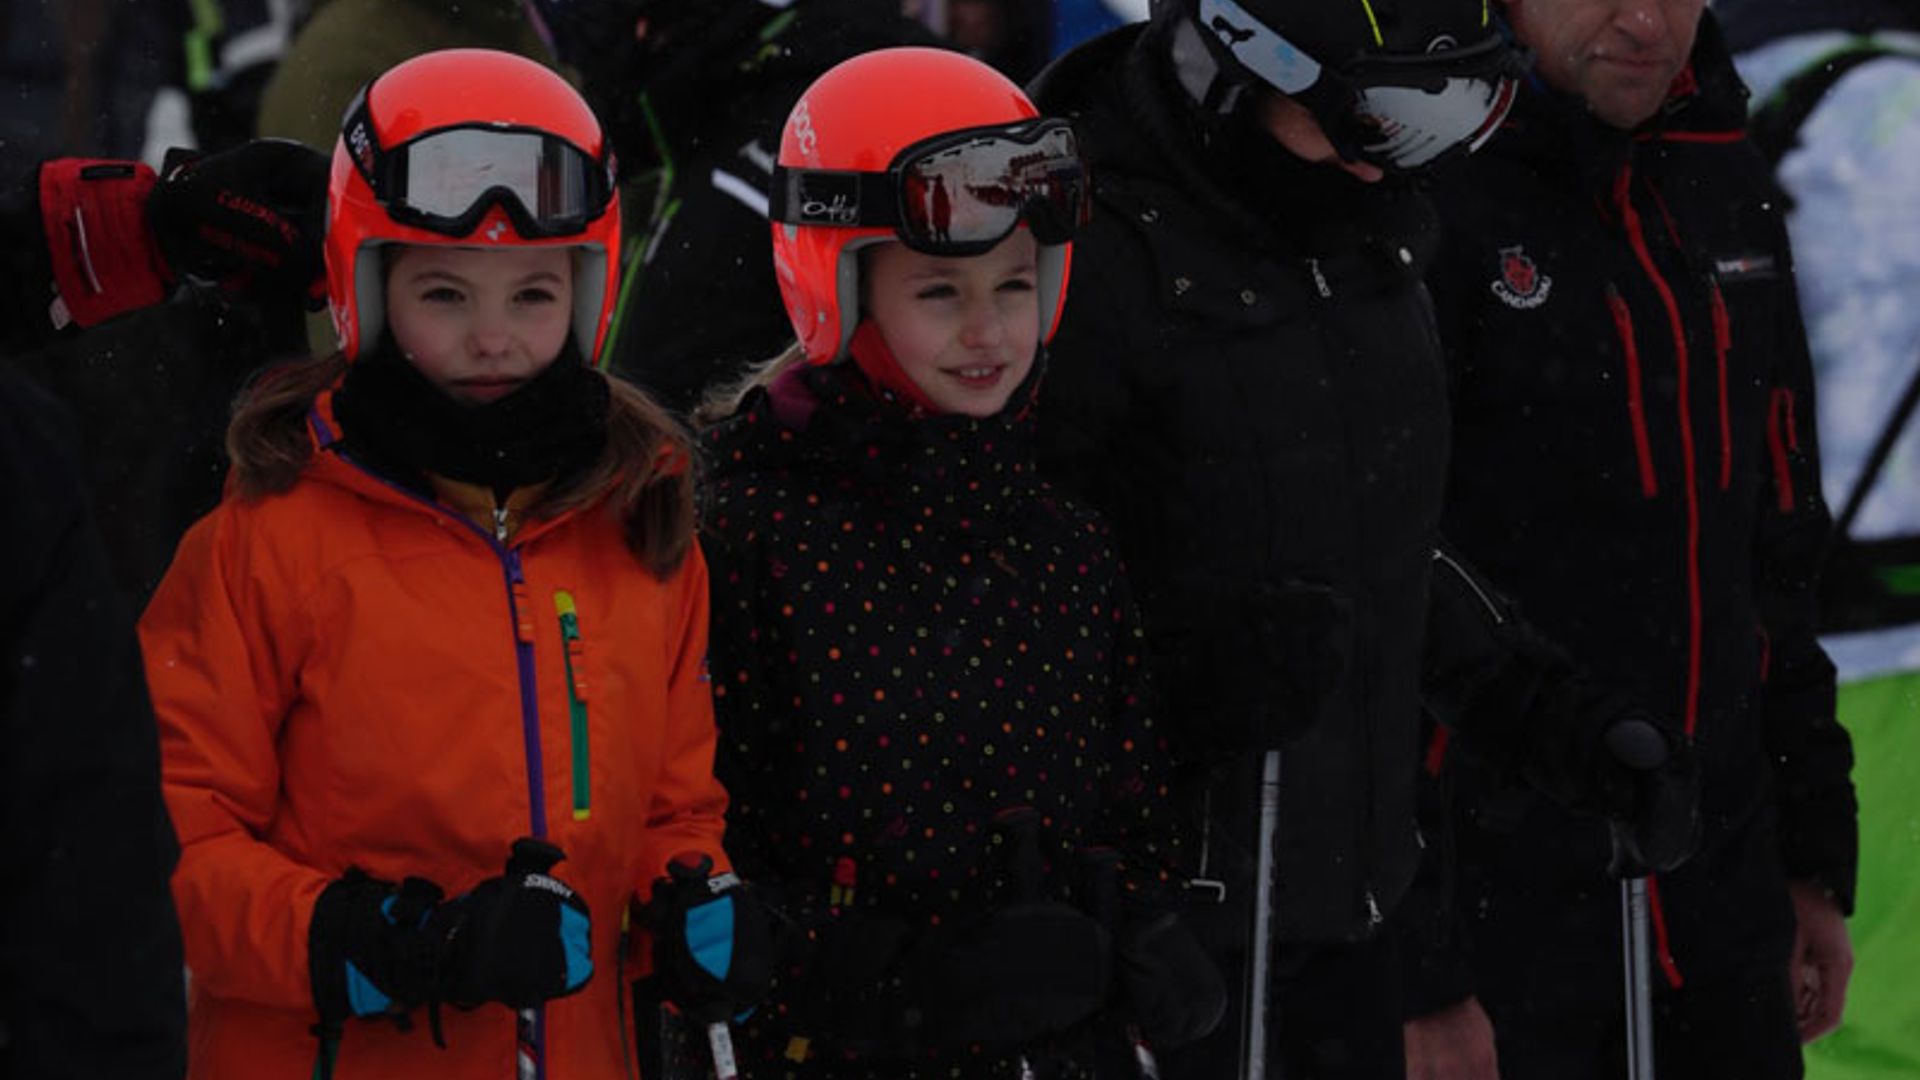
1634	929
720	1041
1254	1065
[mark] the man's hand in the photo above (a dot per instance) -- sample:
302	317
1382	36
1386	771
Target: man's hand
1455	1043
1822	960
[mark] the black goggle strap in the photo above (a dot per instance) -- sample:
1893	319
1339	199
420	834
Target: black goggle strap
834	198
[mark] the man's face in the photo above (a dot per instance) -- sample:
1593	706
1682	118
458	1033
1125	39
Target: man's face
1620	56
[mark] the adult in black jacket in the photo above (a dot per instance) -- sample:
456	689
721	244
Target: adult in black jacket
183	284
1247	383
1633	462
91	982
694	93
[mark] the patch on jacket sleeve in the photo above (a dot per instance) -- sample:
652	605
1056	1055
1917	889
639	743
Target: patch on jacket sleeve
1521	285
1731	269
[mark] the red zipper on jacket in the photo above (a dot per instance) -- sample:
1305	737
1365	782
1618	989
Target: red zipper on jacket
1722	344
1782	437
1636	403
1630	221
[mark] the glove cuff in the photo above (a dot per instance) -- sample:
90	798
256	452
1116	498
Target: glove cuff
105	259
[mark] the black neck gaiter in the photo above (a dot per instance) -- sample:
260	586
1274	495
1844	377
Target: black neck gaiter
399	421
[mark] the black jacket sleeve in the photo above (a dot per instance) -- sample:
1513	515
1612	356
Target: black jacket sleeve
1811	752
91	973
25	319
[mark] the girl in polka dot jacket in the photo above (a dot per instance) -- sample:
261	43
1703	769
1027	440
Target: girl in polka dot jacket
925	665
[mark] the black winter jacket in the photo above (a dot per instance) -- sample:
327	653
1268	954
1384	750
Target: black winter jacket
698	298
911	632
1248	385
90	963
1634	460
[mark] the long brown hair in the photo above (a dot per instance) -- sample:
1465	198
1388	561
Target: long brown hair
644	475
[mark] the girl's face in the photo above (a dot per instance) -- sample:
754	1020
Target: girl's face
476	322
963	329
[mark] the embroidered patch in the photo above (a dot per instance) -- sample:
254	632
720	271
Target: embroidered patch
1521	285
1735	268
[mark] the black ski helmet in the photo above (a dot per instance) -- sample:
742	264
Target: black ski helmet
1403	84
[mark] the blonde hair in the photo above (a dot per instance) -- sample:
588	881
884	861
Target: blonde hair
644	474
725	399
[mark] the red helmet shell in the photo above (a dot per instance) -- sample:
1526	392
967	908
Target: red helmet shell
857	117
461	88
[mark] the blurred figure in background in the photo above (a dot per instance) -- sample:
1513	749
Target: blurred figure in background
694	93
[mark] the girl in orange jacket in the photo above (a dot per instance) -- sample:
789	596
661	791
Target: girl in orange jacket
450	617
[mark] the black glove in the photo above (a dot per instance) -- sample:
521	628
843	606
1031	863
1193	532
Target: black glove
1030	968
368	951
379	950
251	219
1168	983
1653	799
518	939
712	945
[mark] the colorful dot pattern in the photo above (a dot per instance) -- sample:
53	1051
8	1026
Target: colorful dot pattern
912	632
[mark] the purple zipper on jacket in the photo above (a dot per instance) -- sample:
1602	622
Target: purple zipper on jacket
536	1017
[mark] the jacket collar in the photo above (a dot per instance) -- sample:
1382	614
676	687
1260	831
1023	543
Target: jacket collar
1555	130
467	504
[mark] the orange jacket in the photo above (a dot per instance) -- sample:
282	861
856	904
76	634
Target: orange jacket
351	675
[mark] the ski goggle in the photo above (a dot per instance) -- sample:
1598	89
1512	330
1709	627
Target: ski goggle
1405	111
959	193
448	179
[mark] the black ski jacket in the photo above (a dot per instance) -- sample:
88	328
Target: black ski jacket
911	633
1634	462
698	299
1248	385
90	964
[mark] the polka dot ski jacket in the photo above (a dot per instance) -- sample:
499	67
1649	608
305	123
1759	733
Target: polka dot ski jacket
913	634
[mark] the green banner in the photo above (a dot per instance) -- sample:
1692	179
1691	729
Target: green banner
1879	1038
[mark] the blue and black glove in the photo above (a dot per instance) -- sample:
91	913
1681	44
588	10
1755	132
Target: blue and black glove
712	945
518	939
376	949
368	951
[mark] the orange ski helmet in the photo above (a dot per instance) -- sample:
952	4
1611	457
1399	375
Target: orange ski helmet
469	148
926	146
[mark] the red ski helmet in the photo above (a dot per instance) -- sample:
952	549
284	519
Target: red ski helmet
926	146
469	148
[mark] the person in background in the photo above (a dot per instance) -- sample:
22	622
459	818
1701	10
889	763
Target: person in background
694	93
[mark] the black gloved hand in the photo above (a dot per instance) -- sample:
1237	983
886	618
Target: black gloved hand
251	219
712	945
1654	799
1168	983
368	951
518	939
1026	971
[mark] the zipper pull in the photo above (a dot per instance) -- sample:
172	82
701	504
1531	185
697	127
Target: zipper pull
1320	280
500	523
